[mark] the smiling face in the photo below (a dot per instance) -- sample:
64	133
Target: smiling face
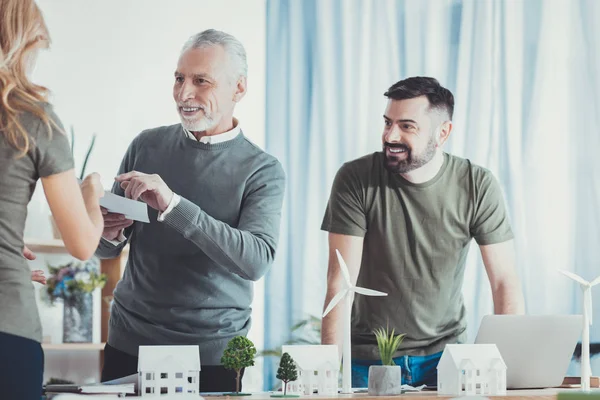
410	134
206	90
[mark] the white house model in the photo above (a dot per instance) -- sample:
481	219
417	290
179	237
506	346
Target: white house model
471	369
318	369
168	370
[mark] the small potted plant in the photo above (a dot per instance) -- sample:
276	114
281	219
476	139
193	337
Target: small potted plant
74	284
386	379
239	354
286	372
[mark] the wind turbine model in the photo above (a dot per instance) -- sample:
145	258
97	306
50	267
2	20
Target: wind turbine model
347	294
586	287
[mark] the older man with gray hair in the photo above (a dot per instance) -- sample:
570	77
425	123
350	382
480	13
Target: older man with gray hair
215	207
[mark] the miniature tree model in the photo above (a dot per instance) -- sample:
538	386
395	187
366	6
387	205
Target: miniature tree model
287	373
388	345
239	354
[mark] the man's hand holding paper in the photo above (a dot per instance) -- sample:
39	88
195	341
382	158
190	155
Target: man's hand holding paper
151	189
120	212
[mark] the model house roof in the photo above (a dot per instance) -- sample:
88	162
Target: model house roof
169	358
314	357
472	356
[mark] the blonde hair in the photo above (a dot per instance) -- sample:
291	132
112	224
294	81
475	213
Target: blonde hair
22	33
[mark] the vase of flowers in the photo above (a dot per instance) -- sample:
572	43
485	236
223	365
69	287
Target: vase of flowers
77	318
74	283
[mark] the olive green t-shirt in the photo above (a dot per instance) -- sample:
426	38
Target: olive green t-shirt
416	239
49	155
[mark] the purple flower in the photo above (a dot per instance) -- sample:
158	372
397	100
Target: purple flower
64	271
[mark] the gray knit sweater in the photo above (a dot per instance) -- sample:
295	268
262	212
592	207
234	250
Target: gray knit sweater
189	278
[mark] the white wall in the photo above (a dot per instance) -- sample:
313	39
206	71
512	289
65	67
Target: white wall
111	66
110	69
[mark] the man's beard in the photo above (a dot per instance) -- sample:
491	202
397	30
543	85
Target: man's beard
412	161
203	124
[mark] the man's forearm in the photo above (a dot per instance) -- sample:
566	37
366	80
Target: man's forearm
108	250
330	332
508	298
350	248
500	265
247	254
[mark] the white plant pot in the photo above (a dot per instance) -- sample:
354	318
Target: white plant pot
385	380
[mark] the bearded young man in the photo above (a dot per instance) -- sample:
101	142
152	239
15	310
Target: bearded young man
215	206
403	219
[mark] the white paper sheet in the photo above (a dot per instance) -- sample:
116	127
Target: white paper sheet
133	378
132	209
104	388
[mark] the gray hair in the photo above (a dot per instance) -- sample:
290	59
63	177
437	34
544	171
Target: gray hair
233	47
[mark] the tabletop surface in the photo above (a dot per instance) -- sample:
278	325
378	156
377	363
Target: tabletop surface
424	395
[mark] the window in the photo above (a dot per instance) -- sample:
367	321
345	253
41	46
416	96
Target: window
149	390
164	390
179	375
164	375
178	389
149	376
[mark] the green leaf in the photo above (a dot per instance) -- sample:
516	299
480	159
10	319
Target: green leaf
388	344
87	156
72	140
306	331
299	325
267	353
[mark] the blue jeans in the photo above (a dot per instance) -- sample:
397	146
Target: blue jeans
416	370
21	368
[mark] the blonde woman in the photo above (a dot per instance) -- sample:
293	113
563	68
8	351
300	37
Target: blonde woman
32	146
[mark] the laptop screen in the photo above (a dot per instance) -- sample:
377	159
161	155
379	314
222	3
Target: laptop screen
537	349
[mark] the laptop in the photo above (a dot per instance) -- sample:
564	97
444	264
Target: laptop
537	349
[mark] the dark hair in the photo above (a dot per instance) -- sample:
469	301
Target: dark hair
439	97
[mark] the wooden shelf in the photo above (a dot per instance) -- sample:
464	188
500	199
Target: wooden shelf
73	346
46	245
54	246
112	267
